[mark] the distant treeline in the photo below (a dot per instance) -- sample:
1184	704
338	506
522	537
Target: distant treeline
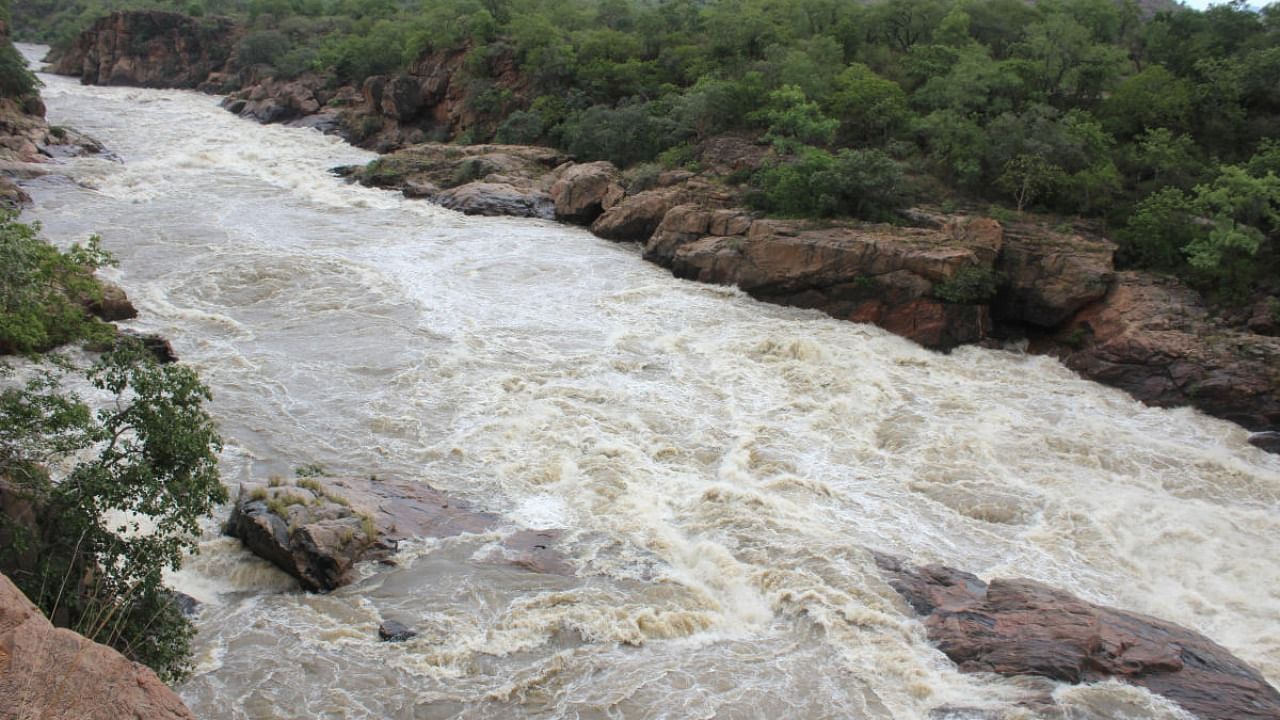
1164	123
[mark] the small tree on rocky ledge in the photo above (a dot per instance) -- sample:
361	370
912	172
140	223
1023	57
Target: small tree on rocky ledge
89	540
103	535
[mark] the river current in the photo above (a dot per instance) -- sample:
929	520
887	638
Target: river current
716	465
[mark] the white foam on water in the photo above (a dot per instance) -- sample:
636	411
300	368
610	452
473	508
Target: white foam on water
717	465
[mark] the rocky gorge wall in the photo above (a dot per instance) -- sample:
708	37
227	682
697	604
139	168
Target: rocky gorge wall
939	280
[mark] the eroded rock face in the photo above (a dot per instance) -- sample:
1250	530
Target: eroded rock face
56	674
860	272
1154	338
1021	627
150	48
1050	276
583	192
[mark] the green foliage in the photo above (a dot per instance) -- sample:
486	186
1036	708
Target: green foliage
794	121
860	183
16	81
1027	177
129	508
43	290
520	128
972	285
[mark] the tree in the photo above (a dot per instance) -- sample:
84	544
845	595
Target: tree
93	541
794	120
106	532
43	290
1028	177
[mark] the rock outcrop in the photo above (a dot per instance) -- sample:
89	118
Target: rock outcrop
583	192
1154	338
856	271
1021	627
56	674
150	48
317	529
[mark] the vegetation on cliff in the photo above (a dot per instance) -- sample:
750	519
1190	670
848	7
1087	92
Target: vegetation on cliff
1164	123
96	505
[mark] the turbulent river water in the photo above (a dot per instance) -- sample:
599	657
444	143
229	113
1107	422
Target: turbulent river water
717	465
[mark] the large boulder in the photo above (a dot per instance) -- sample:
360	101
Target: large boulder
1154	338
497	198
150	48
583	192
1051	275
636	216
1022	627
317	529
860	272
56	674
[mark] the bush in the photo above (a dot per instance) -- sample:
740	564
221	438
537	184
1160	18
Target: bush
859	183
43	290
973	285
124	514
16	80
520	128
264	47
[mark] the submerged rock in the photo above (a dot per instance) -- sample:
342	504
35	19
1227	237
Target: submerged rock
56	674
1022	627
392	631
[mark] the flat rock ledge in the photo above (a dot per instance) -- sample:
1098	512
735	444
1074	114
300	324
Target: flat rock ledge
56	674
1021	627
317	529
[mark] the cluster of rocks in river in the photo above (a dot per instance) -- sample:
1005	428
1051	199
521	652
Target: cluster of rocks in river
317	529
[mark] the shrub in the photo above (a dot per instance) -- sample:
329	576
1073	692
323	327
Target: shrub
129	508
972	285
520	128
858	183
42	290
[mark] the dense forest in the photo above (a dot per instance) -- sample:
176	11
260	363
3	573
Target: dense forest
1162	122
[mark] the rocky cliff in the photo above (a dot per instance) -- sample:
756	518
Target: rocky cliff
56	674
150	48
941	281
937	279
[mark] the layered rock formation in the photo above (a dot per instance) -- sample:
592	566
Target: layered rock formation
150	48
56	674
1021	627
1154	338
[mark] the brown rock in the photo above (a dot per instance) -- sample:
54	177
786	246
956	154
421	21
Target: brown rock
56	674
150	48
681	224
493	199
401	98
865	273
114	305
1021	627
582	192
1154	338
1051	275
636	217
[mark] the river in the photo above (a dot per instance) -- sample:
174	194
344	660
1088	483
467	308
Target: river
717	465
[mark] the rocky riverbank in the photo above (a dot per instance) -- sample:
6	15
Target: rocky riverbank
54	673
936	278
939	279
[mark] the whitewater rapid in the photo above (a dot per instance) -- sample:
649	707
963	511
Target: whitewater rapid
717	465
